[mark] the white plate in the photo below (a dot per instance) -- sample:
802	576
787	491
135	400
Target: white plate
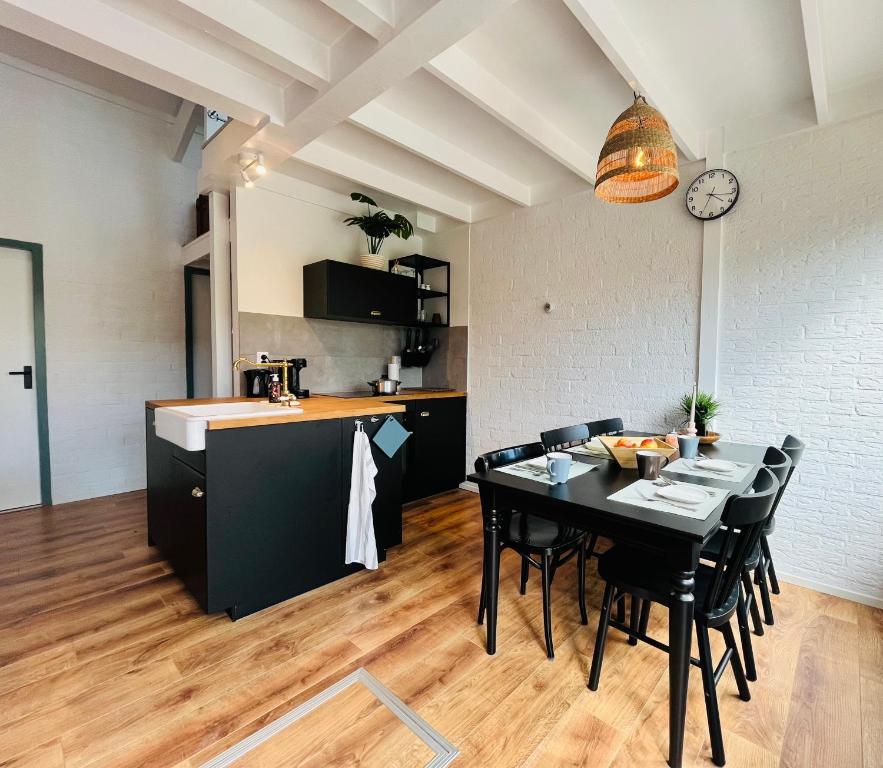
716	465
683	494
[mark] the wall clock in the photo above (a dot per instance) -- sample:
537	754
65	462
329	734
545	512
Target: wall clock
712	194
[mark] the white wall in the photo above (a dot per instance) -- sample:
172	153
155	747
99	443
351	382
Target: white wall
802	343
92	181
622	337
452	245
282	224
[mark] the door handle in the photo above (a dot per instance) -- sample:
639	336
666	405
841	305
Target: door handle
375	313
28	374
424	413
197	492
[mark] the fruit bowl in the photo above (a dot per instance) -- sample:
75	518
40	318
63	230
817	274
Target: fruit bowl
623	449
709	437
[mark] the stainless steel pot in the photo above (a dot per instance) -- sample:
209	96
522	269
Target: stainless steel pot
385	386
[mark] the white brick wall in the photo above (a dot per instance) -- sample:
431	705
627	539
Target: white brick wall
802	342
92	181
622	337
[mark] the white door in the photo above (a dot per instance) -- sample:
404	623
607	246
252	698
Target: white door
19	446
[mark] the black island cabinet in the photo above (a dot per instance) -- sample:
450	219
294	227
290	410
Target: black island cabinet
259	516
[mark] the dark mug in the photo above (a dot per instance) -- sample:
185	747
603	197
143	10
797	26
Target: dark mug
649	464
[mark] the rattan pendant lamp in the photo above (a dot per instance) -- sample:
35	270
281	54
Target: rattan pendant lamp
638	161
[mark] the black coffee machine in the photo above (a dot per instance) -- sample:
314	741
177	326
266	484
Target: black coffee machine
257	380
297	365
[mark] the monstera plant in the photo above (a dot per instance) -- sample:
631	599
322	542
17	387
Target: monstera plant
378	225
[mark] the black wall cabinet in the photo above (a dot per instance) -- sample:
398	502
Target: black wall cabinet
335	290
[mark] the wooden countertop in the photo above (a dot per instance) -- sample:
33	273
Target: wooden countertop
315	408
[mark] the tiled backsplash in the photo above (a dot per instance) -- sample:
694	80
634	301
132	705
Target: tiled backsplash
343	356
340	356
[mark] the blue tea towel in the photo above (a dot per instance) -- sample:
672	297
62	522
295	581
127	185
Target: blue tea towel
390	437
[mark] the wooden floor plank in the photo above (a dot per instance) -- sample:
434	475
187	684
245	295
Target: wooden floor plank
106	660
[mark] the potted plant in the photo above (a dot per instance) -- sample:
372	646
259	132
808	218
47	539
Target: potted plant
377	226
707	408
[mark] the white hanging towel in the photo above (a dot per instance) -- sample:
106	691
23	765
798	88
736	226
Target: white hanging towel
361	547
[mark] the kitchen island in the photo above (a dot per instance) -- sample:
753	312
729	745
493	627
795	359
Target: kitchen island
259	515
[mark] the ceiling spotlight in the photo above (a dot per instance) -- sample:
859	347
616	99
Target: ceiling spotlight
248	182
260	168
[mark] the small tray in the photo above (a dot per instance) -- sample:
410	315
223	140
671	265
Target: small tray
625	457
708	438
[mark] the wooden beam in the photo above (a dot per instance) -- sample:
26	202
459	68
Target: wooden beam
181	131
107	36
415	138
250	27
466	76
604	22
376	17
815	54
429	31
328	158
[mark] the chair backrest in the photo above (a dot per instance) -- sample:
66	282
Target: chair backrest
744	517
564	437
794	447
494	459
605	427
779	463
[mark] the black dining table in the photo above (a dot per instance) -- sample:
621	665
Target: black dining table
582	502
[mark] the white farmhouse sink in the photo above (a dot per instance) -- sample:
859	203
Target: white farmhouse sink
185	425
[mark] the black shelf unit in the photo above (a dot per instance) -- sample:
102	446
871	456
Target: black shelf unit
420	264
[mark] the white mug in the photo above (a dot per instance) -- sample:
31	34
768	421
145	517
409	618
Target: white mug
558	466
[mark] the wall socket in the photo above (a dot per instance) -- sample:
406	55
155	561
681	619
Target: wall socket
258	356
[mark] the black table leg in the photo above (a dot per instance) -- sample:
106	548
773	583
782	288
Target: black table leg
680	627
491	575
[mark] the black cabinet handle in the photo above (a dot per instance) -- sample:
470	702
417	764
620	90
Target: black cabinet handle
28	374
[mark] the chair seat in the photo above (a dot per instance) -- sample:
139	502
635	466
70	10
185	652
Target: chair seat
633	571
526	531
712	551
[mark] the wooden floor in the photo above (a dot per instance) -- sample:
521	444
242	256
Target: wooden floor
106	661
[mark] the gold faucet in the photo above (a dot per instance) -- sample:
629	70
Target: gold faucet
286	396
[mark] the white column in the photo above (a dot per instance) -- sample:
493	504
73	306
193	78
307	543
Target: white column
222	312
712	256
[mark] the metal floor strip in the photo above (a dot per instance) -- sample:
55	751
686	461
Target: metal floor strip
445	752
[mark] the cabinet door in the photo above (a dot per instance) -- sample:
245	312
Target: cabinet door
387	505
186	523
340	291
437	461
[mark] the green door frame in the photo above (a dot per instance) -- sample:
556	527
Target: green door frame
36	251
189	272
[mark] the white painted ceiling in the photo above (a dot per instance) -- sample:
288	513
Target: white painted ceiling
464	108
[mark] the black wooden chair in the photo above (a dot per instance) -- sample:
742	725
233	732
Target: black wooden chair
716	593
565	437
765	574
605	427
542	544
780	465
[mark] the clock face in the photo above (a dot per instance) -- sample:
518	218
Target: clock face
712	194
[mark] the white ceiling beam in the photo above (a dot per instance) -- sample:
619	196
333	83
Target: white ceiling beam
107	36
466	76
181	131
606	26
357	169
376	17
433	27
391	126
815	54
251	28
